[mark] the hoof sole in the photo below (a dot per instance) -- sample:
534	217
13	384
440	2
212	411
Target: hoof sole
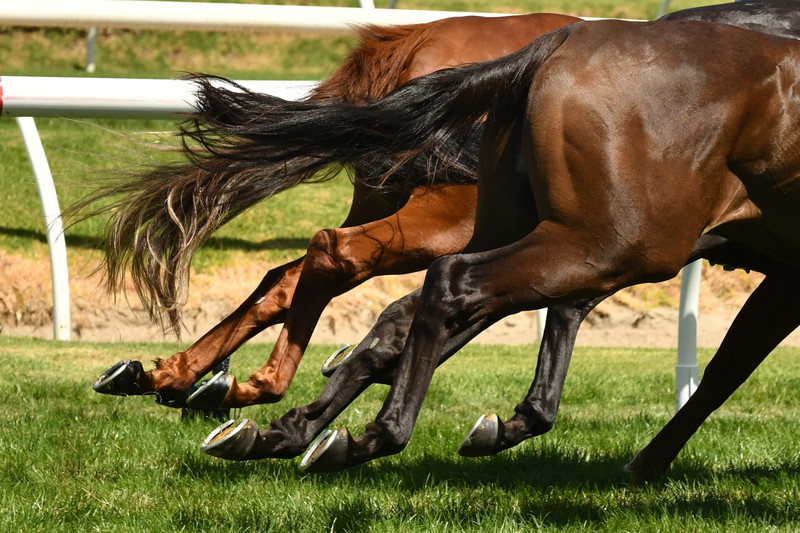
335	360
122	379
328	453
482	439
232	440
211	393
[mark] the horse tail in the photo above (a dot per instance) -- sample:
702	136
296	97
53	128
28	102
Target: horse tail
428	121
159	218
375	67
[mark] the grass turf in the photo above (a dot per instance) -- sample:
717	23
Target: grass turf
73	460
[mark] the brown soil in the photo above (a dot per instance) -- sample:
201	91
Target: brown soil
641	316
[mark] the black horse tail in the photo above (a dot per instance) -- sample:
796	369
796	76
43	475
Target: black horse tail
428	124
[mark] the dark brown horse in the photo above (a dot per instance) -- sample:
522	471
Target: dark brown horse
543	400
635	140
161	219
374	359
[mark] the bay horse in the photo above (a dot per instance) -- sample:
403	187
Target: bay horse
162	217
635	140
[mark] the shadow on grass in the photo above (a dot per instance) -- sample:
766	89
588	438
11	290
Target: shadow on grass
545	487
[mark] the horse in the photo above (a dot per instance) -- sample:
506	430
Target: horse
337	259
537	412
160	218
372	361
668	132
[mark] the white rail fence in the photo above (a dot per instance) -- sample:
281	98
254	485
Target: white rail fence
204	16
26	97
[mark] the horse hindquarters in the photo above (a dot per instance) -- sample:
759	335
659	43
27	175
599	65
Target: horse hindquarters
597	235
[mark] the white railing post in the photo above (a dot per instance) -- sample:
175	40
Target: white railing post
367	4
53	226
687	373
91	39
541	320
662	10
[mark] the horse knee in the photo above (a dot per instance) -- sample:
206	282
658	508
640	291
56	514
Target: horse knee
327	258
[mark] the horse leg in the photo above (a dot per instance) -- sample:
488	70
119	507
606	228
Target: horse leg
339	260
291	434
463	291
771	313
174	375
536	414
373	360
266	306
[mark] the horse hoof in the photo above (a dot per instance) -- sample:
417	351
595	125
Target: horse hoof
211	393
634	474
482	439
641	472
328	453
232	440
335	360
122	379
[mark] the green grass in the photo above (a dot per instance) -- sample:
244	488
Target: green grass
73	460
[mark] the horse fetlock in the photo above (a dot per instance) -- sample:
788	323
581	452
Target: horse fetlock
174	374
533	419
380	439
644	469
256	391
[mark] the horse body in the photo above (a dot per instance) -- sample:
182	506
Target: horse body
772	16
725	116
390	56
732	127
612	210
613	214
